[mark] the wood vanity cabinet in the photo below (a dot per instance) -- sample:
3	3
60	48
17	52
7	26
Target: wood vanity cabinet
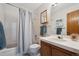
51	50
46	49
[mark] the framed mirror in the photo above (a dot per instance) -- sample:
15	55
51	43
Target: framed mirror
43	17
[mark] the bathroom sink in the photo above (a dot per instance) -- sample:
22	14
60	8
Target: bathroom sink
57	39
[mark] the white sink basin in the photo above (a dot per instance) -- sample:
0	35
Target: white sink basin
57	39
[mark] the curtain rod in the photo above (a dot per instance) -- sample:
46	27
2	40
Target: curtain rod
12	5
15	6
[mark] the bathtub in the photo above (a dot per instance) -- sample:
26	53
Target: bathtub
8	52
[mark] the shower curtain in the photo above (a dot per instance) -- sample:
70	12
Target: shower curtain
25	31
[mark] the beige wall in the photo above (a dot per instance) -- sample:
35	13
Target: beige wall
36	18
60	12
54	12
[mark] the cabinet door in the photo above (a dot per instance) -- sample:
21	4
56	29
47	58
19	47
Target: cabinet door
72	22
45	49
56	52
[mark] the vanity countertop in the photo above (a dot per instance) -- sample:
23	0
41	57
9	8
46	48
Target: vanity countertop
65	43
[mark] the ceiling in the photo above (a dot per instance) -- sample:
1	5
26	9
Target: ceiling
28	6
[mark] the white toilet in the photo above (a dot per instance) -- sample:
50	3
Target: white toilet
34	49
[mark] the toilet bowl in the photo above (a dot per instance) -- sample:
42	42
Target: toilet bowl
34	49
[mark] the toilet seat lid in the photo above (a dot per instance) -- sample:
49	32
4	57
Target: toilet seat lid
34	46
